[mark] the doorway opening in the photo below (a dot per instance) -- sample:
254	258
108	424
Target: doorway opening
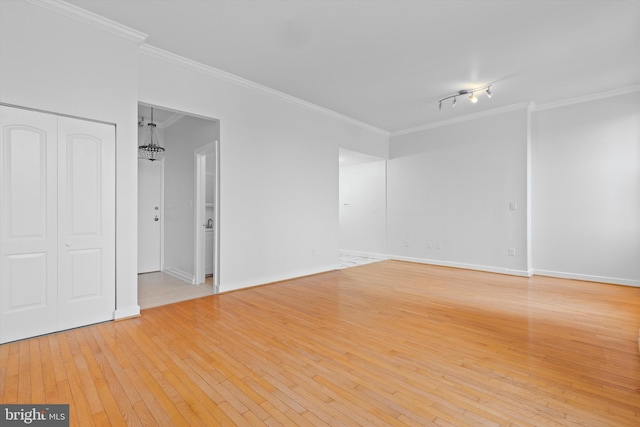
169	256
207	214
362	209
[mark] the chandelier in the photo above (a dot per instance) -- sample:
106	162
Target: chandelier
151	150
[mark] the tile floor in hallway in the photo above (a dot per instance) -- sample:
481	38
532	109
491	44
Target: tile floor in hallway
158	288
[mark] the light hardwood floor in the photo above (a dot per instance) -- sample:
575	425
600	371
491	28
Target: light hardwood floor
389	343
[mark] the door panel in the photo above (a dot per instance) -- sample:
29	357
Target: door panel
28	223
83	186
86	203
27	282
26	184
149	208
84	274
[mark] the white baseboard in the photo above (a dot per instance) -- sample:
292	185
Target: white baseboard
373	255
179	274
588	278
130	311
487	268
226	287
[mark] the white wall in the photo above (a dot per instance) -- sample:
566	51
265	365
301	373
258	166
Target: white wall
362	209
586	190
180	141
278	167
52	62
449	193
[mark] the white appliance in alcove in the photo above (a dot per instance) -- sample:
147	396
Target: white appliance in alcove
57	223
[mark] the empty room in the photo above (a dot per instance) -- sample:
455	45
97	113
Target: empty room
374	212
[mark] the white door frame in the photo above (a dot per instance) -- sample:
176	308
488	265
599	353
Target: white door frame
200	200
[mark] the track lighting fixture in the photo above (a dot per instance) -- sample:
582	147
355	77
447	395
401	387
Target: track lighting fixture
471	92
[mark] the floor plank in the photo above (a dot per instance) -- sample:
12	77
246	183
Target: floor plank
387	343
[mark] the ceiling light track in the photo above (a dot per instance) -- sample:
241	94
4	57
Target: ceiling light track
471	92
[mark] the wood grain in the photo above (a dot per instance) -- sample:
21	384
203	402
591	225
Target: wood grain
390	343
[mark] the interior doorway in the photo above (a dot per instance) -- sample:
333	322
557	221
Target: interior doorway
362	209
207	217
174	219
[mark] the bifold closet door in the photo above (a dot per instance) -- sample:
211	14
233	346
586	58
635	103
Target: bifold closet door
28	224
86	222
57	223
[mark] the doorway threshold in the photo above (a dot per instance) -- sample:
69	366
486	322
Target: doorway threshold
158	288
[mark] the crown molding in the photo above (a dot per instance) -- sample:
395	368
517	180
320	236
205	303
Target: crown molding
92	19
190	64
465	118
587	98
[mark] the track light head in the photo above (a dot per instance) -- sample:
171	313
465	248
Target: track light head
488	91
473	98
454	102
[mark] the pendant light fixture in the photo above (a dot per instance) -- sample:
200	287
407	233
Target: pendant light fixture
151	150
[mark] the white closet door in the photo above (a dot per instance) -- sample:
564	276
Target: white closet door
57	223
28	224
86	222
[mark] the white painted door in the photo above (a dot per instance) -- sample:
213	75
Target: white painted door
57	222
28	224
149	215
86	222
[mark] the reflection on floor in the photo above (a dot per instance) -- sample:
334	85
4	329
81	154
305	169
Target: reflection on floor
346	261
159	288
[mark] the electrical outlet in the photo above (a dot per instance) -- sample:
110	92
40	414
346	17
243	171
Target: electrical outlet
430	245
406	243
513	206
438	245
512	251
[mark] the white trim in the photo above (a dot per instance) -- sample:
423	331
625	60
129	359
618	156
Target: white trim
529	184
587	98
216	218
190	64
489	269
277	278
92	19
179	274
123	313
199	161
465	118
587	277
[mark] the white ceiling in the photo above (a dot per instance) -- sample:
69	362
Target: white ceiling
387	62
